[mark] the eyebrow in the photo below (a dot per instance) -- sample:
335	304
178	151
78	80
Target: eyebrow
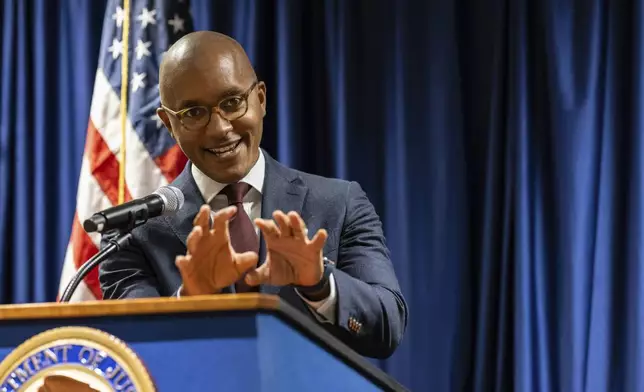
188	104
231	91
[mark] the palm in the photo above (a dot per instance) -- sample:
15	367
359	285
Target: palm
220	271
291	257
293	261
211	263
280	270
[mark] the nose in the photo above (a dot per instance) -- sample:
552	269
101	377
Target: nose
219	125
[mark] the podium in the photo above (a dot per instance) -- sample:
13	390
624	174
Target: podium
233	342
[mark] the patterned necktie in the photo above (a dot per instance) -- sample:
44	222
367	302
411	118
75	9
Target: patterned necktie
243	237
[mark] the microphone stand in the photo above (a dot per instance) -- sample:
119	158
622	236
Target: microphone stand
115	244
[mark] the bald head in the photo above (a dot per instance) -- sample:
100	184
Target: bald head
202	52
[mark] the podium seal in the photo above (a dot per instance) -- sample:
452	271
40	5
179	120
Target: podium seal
74	359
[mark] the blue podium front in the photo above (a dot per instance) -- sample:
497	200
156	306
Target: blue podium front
249	342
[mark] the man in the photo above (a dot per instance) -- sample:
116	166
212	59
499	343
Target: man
324	251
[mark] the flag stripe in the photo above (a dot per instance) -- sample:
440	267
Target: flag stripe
104	165
142	175
105	112
172	162
90	197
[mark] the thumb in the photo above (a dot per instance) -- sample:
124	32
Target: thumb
246	261
182	263
319	239
259	276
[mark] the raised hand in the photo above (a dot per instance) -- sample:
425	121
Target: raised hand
291	258
211	263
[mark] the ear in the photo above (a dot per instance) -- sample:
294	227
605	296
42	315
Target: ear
166	120
261	95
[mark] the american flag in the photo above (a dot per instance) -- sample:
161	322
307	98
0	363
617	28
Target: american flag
152	158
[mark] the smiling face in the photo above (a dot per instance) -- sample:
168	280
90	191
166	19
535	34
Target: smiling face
210	71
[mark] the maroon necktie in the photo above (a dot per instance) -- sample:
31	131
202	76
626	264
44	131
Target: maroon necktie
243	237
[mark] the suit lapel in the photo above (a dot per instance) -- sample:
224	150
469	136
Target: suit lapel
181	222
283	190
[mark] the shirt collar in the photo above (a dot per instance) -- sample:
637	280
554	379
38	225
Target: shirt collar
210	188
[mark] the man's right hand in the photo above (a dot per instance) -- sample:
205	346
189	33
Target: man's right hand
211	263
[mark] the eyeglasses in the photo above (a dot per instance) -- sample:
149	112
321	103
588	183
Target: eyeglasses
230	108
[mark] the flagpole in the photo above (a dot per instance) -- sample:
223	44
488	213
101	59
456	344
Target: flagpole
124	95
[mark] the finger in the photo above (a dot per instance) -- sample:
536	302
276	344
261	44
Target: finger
222	216
282	223
319	239
268	227
245	262
220	225
195	236
182	263
261	275
297	225
202	218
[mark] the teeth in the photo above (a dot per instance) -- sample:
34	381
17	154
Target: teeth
224	150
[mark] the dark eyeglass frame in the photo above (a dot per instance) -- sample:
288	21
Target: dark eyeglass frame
180	114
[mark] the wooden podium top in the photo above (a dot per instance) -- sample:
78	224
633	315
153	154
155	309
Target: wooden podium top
206	303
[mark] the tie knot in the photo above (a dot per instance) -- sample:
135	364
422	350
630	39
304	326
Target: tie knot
236	192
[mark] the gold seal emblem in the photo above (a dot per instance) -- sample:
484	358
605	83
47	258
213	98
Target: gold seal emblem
73	359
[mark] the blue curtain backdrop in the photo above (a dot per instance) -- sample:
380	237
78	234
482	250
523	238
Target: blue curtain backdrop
500	140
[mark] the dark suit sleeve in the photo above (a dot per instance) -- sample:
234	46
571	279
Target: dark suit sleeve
127	274
368	290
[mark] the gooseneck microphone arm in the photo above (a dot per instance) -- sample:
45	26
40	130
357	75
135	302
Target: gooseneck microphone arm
136	216
114	245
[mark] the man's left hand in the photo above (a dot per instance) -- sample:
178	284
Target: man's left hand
291	258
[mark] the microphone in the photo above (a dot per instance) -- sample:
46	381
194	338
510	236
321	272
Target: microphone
165	200
122	219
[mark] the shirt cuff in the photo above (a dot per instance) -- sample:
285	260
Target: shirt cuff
324	310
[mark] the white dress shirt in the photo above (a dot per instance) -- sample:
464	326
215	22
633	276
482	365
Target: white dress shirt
323	310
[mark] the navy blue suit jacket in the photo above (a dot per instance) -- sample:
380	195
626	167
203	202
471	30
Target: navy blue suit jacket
367	288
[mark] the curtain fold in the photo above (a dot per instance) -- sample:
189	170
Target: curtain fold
500	141
49	55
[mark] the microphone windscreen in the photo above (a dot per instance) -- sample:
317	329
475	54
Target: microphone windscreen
173	198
